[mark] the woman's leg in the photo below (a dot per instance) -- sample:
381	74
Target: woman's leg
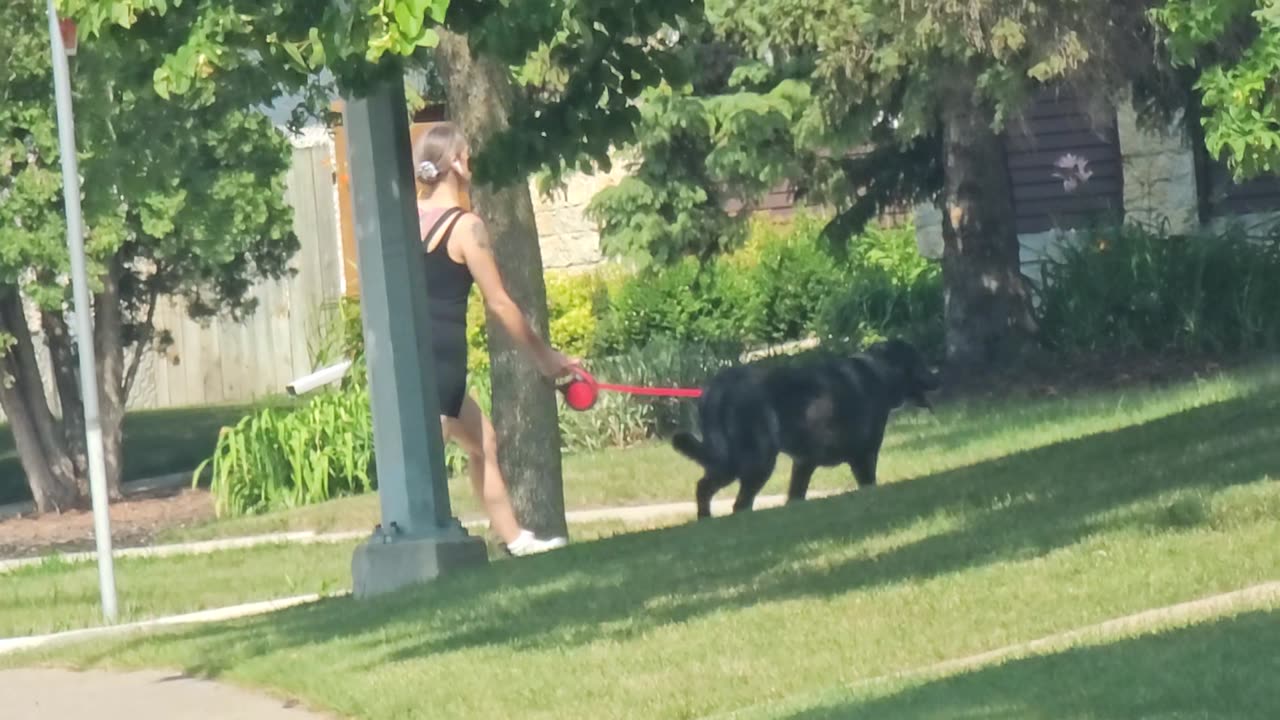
473	431
476	435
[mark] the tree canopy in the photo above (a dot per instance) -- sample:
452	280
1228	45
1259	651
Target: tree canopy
586	59
846	102
1232	48
174	205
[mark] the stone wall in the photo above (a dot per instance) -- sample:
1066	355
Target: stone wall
1159	173
570	241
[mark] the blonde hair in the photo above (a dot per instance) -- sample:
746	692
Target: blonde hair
435	151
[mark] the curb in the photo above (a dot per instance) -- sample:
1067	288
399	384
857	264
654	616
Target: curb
11	645
636	513
306	537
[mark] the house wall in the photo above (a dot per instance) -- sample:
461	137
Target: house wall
1163	181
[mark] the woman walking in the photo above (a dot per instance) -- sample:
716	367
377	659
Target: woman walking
458	253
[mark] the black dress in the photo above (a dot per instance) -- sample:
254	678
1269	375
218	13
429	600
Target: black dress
448	288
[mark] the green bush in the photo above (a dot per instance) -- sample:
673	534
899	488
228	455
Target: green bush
886	289
1140	289
575	302
783	284
283	458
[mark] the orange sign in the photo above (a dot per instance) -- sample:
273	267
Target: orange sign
68	28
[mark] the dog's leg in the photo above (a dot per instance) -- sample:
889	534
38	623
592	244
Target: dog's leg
801	474
864	470
708	486
751	484
864	463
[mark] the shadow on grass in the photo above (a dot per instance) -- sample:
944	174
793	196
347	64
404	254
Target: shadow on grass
1225	669
1020	506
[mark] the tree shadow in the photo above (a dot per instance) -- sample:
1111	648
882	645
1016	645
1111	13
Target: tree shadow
1020	506
1223	669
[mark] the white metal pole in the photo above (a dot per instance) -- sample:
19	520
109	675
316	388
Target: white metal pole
83	319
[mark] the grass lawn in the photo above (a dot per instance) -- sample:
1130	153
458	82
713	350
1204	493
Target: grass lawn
156	442
1222	669
57	595
917	445
1028	524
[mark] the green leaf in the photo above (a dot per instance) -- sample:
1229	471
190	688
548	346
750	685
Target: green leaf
429	38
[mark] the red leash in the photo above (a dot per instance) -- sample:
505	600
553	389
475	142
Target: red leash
582	392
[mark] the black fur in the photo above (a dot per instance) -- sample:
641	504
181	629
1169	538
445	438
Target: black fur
821	412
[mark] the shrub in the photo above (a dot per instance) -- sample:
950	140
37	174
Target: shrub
674	303
276	459
1140	289
783	284
888	289
575	302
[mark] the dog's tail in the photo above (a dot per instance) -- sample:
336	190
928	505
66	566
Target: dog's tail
693	448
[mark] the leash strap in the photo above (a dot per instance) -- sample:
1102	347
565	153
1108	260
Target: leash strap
652	392
637	390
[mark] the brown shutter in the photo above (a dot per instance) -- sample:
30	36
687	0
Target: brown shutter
1224	197
1056	125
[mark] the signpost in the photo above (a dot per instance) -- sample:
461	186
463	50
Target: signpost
59	31
418	538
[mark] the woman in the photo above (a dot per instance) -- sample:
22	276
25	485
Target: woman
458	253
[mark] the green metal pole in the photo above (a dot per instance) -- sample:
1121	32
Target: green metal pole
412	481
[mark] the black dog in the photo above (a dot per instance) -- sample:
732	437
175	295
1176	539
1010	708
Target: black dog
822	413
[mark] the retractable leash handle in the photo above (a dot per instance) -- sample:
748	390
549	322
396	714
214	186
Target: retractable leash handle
582	392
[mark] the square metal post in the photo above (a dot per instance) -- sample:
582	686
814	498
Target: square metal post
418	538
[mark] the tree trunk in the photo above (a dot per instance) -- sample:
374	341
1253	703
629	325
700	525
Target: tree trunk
988	302
67	379
50	472
108	328
481	97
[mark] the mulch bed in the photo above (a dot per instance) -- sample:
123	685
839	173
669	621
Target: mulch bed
135	521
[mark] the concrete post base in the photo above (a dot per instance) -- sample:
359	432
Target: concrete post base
381	565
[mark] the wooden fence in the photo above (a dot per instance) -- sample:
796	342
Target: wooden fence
221	361
224	361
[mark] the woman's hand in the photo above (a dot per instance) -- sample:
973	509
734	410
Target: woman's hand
554	364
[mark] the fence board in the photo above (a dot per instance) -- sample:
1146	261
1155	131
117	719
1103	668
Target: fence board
223	361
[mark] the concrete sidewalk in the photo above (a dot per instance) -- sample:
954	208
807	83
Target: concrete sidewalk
45	694
624	514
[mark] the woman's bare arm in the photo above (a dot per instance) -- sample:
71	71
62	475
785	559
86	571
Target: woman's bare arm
472	239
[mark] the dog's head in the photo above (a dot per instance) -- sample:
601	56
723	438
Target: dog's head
907	370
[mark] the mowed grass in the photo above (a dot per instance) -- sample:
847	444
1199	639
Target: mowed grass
57	595
918	444
1147	502
1219	669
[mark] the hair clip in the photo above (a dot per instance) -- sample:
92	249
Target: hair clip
427	171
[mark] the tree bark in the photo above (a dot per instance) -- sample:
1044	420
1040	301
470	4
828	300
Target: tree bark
67	379
50	472
108	329
988	302
481	97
